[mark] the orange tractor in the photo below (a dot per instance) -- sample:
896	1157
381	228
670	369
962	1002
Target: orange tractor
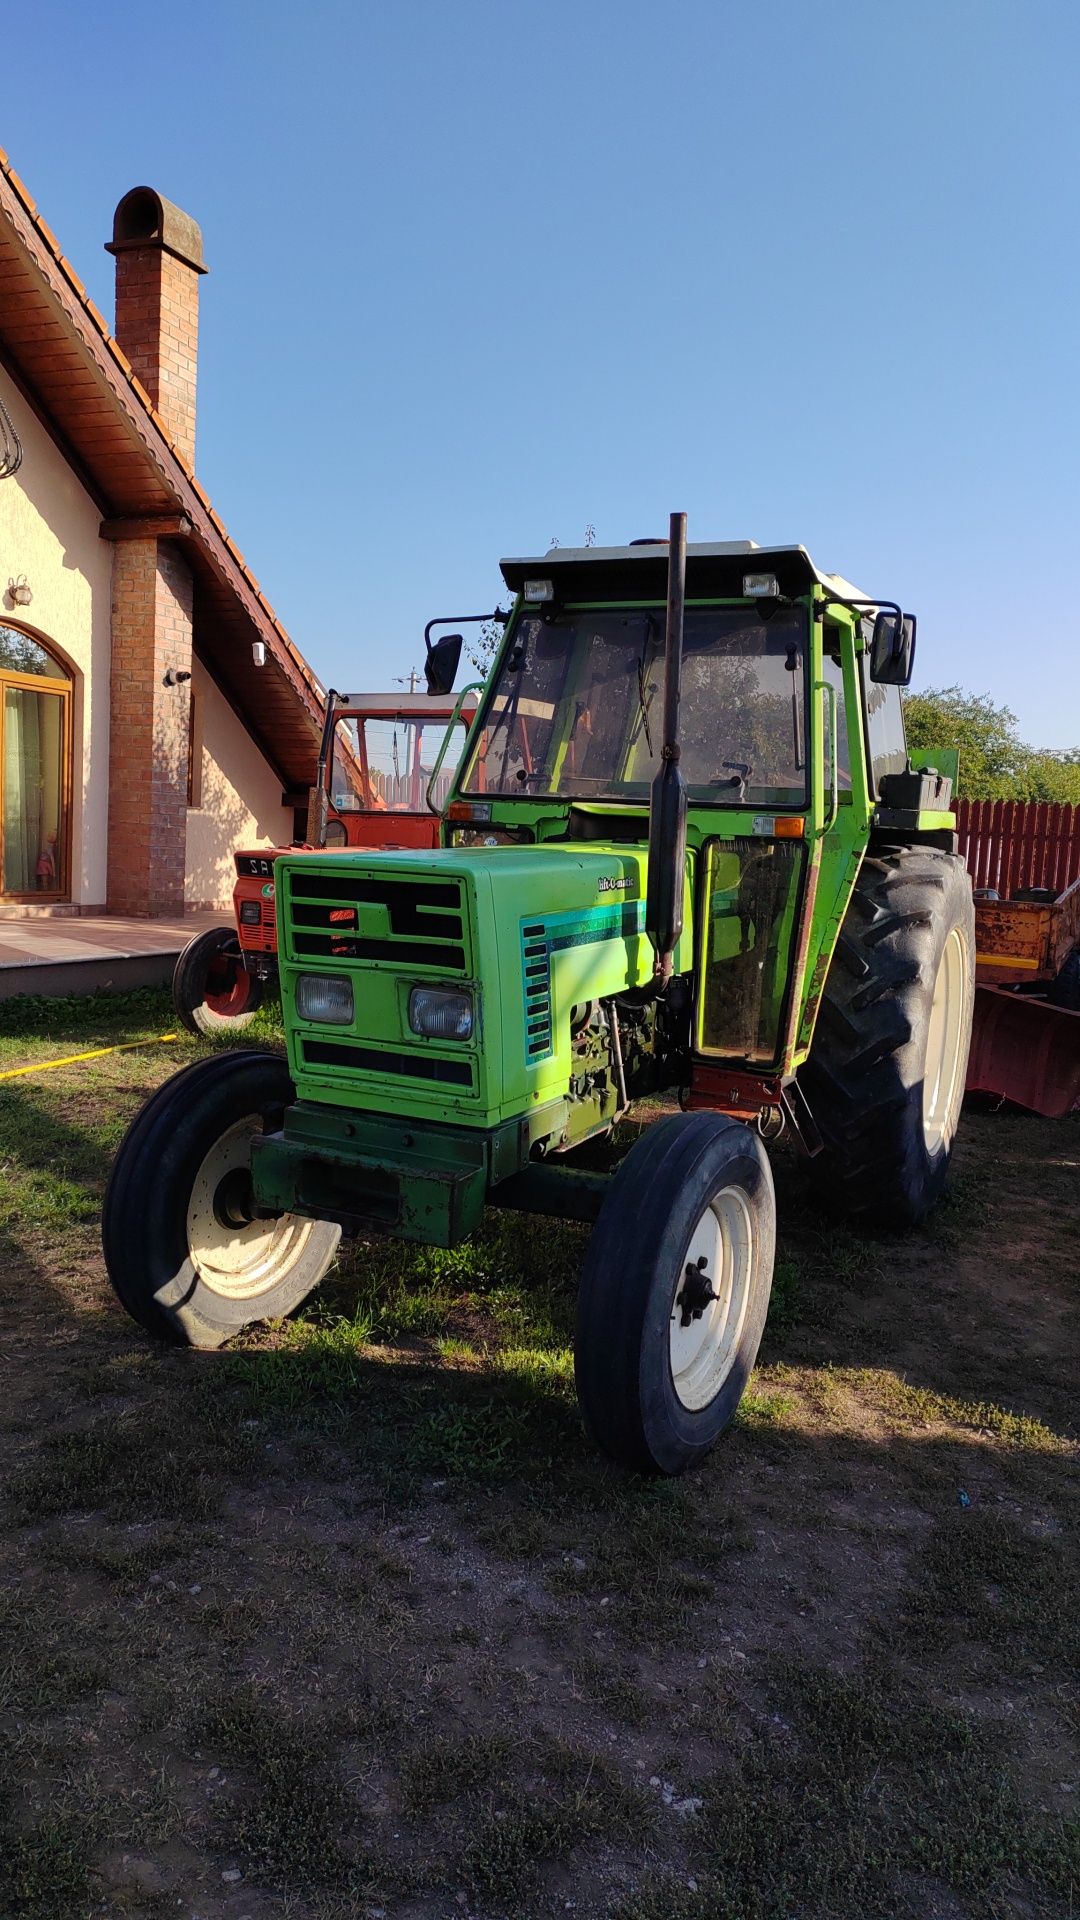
381	781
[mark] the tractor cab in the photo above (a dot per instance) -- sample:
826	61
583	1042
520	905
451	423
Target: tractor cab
787	725
381	756
379	782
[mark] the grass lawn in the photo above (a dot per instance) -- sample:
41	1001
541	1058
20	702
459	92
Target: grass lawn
349	1620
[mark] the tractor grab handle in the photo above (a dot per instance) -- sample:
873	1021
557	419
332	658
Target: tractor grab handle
667	808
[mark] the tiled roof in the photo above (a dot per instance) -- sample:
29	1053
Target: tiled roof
57	345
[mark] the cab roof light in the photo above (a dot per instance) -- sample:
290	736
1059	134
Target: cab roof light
760	586
539	590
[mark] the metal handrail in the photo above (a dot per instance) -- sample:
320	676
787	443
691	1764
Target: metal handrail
826	687
475	686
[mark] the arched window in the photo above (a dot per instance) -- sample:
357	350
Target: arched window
35	769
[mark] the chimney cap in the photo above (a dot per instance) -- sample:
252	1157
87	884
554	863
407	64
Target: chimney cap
144	218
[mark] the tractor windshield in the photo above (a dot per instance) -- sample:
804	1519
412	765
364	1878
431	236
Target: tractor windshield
576	707
383	765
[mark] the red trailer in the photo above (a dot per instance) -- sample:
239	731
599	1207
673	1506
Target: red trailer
1024	861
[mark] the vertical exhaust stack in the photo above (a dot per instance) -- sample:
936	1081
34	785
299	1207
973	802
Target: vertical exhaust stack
667	807
318	800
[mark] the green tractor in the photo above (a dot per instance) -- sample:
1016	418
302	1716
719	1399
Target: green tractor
685	849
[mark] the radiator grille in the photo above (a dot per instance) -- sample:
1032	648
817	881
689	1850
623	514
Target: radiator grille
536	957
385	1061
404	922
540	939
263	937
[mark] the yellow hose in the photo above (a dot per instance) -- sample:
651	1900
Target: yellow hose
96	1053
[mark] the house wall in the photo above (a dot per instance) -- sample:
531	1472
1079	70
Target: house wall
240	807
49	530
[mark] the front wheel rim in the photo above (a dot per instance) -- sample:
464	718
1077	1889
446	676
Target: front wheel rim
704	1333
237	1257
944	1043
228	988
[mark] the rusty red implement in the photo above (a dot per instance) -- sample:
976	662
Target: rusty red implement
1024	861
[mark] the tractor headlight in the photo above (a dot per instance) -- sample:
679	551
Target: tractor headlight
325	996
439	1014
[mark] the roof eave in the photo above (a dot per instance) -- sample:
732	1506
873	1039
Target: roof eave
171	485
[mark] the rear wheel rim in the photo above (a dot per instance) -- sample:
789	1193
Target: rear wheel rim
236	1258
719	1261
944	1043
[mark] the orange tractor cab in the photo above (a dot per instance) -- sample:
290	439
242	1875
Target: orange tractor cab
377	759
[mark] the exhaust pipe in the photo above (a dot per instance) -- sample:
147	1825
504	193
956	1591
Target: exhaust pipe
318	799
667	805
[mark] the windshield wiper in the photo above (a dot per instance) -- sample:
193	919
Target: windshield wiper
644	704
792	664
515	664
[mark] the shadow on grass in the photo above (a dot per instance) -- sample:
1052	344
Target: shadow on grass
876	1804
41	1151
494	1398
505	1453
979	1302
827	1790
103	1018
848	1792
442	1380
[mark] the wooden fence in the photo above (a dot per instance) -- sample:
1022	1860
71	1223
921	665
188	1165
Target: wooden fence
1019	843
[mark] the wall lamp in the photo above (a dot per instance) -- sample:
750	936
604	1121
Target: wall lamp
19	591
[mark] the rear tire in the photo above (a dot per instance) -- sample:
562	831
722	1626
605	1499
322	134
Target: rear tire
886	1072
182	1255
212	990
660	1366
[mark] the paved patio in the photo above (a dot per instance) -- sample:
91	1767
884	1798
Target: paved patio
87	955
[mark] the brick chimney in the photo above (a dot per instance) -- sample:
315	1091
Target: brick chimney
159	258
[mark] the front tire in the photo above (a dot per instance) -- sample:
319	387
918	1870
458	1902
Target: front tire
212	990
887	1066
183	1252
674	1292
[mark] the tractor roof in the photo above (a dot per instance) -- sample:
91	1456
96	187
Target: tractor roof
714	569
406	706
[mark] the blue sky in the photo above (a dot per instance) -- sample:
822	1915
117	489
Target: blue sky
483	274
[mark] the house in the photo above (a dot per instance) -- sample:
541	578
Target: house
140	741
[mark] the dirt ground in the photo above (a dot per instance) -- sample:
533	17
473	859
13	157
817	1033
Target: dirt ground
350	1620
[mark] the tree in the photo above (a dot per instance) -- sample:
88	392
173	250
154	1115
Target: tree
993	758
1055	776
995	764
480	651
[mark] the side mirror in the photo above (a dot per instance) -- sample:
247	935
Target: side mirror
892	649
441	665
